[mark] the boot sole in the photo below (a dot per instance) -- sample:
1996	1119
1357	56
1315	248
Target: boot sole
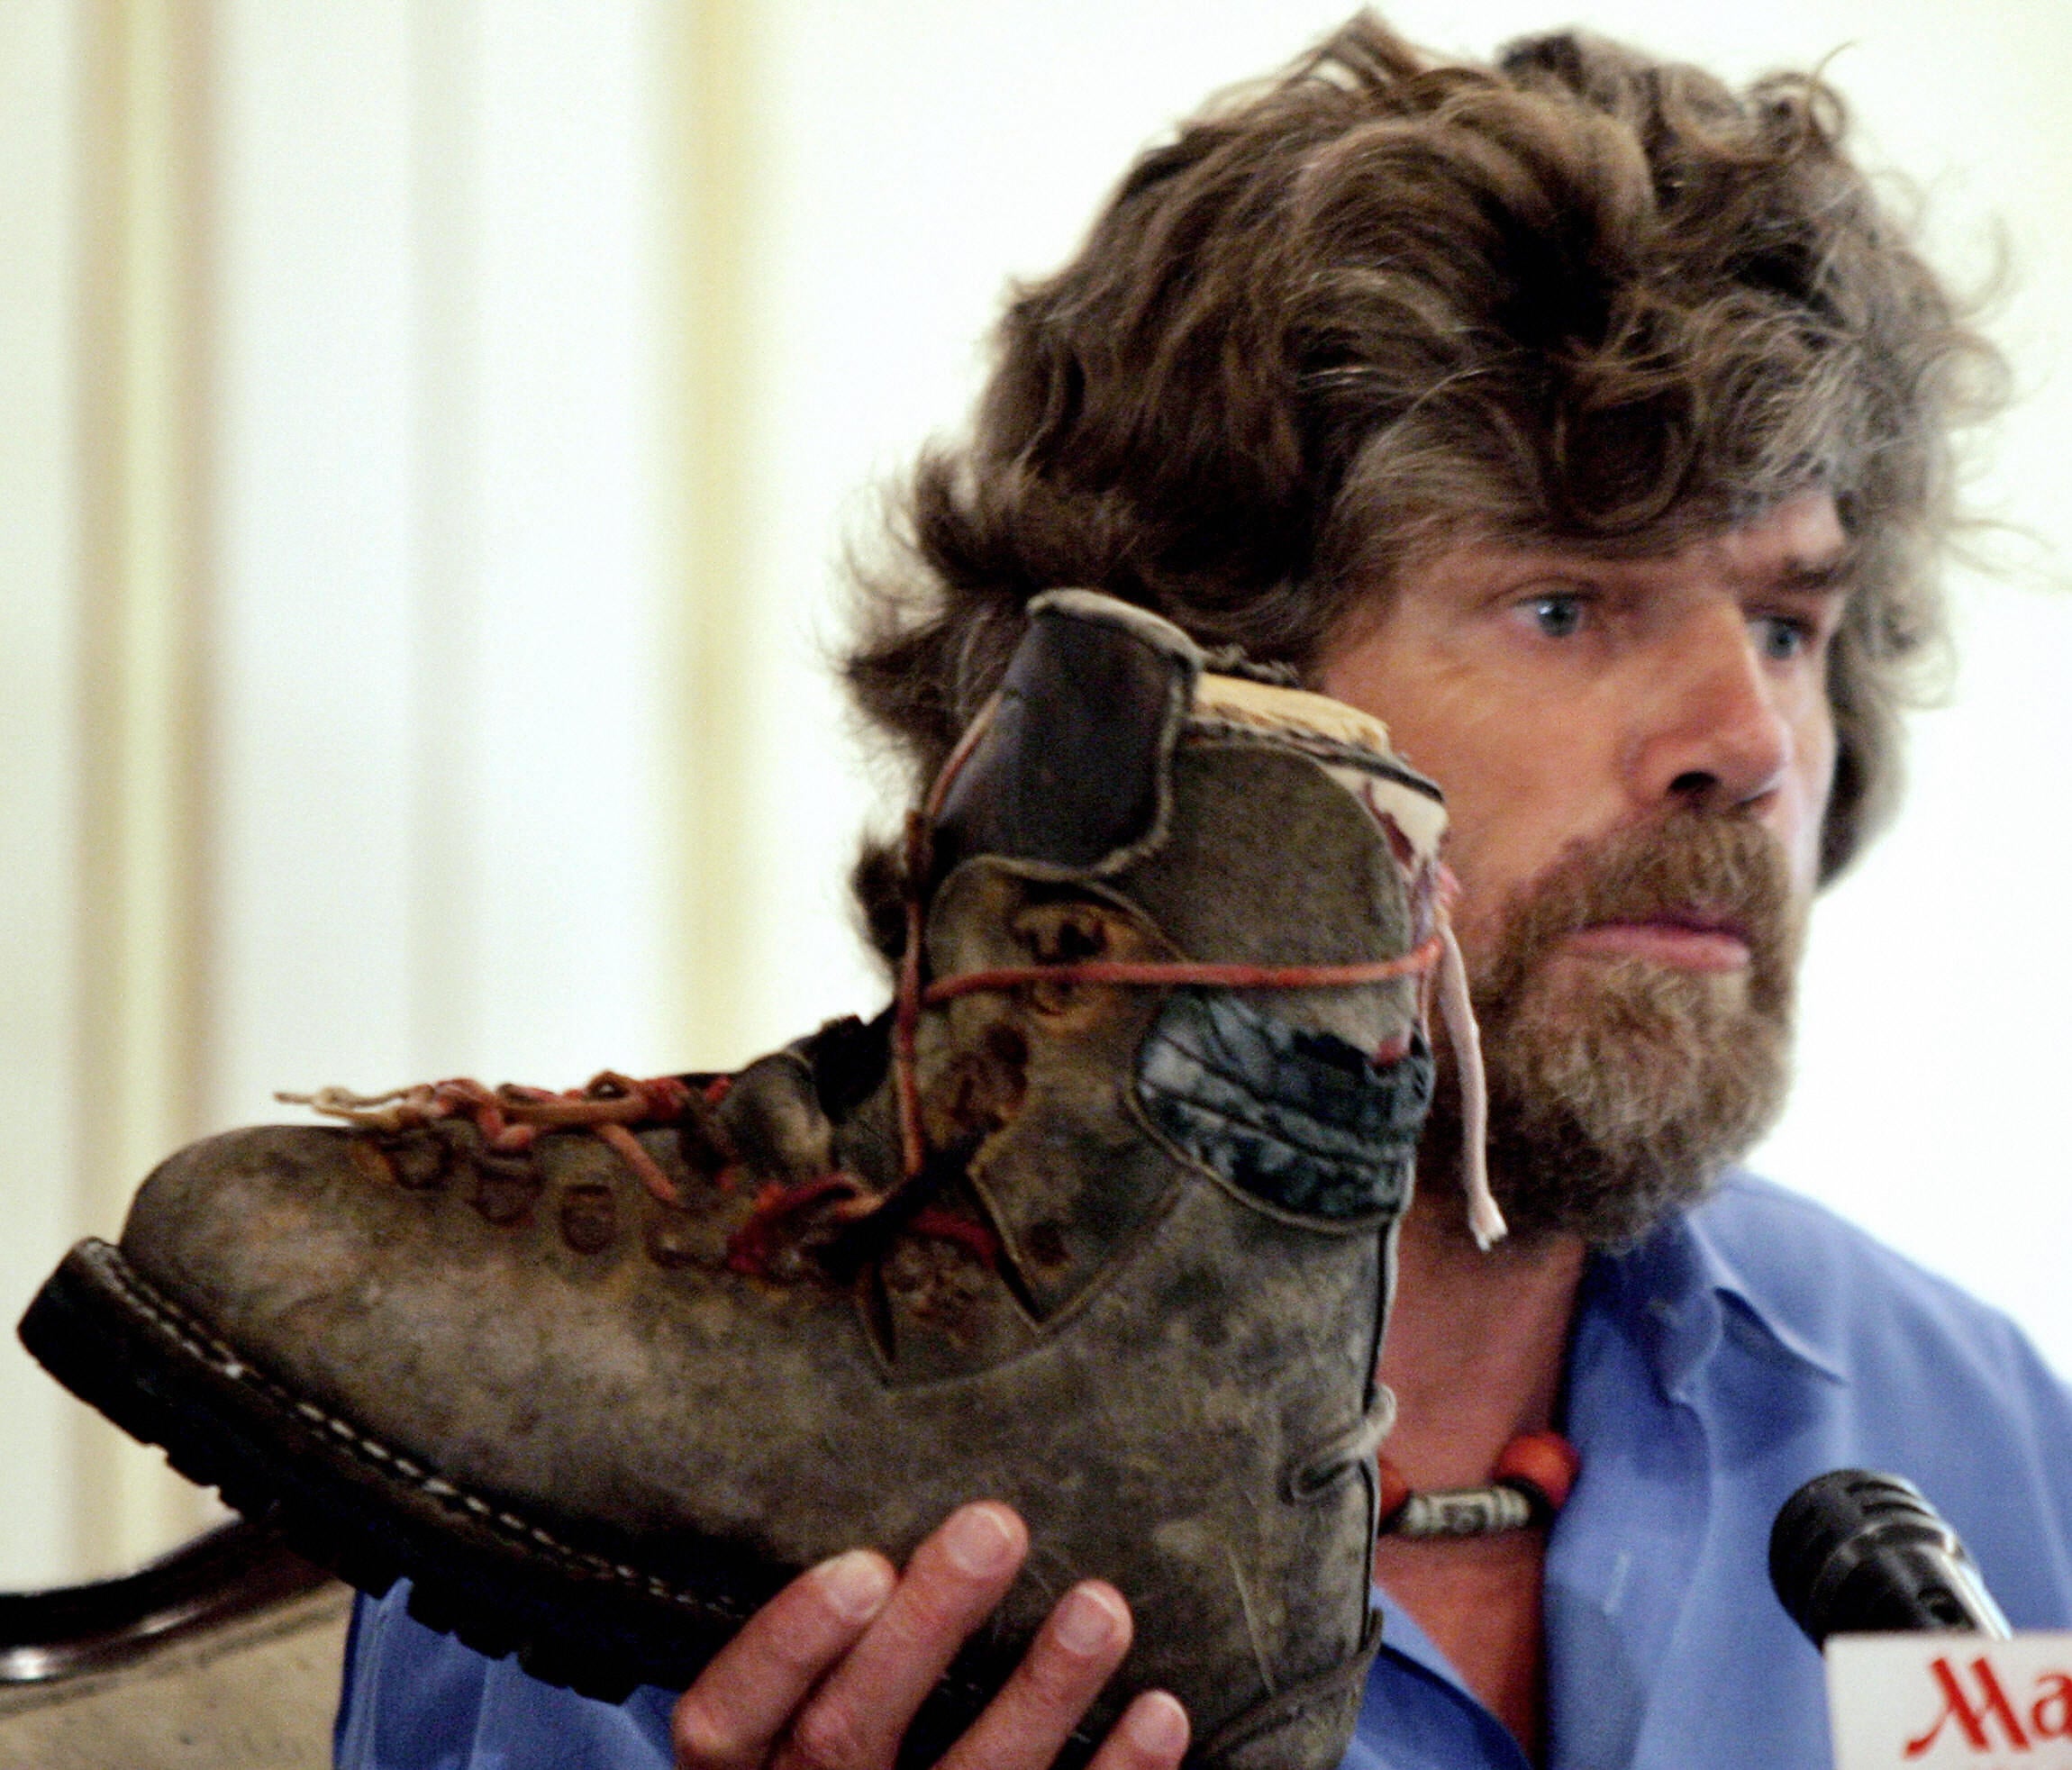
479	1570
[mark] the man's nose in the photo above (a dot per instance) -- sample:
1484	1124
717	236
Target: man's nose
1714	733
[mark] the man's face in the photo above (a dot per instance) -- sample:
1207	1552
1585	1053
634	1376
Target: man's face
1636	755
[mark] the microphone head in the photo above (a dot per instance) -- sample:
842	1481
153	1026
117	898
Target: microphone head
1856	1552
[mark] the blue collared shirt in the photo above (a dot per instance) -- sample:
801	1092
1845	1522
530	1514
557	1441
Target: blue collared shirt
1736	1353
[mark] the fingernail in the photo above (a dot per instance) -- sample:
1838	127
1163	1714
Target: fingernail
979	1542
855	1586
1085	1622
1157	1723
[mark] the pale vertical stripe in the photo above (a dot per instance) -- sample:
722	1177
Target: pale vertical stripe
144	885
39	760
446	640
706	325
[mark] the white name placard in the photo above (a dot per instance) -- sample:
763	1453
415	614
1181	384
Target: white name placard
1927	1701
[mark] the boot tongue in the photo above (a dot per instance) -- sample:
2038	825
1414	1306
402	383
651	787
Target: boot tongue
1273	707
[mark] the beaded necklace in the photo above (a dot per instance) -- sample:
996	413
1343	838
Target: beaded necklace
1529	1484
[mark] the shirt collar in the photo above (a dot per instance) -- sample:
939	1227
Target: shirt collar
1678	1287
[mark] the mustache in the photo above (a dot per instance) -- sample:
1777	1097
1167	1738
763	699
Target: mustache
1693	868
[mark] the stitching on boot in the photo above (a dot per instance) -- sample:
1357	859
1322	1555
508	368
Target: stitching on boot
199	1343
225	1361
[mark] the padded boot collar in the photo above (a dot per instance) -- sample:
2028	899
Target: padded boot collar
1070	772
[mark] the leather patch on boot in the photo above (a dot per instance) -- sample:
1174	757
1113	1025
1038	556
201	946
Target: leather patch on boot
1071	772
1300	1120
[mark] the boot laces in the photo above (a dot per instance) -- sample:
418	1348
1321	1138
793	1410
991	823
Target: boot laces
1437	960
510	1117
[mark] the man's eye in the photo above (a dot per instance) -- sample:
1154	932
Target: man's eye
1559	617
1781	638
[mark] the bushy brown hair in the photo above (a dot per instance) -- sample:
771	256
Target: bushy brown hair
1381	300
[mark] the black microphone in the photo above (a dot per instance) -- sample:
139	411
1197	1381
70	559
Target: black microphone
1854	1552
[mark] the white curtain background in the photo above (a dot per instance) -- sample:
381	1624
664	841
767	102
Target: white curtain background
427	473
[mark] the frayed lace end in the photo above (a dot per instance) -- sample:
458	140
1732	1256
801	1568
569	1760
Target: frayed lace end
1485	1220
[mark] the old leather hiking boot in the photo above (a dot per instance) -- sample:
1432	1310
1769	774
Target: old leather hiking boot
1096	1221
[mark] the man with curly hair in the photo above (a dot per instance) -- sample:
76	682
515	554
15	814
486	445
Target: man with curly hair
1589	423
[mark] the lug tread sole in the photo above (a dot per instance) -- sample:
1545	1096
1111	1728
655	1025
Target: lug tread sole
500	1582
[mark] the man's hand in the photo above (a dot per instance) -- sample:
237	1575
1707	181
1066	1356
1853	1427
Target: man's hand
828	1674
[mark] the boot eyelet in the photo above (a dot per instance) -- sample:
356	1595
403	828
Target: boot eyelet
504	1189
589	1217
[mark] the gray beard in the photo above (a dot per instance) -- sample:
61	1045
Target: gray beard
1620	1088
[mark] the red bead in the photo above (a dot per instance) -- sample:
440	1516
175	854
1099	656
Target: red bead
1543	1464
1395	1492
